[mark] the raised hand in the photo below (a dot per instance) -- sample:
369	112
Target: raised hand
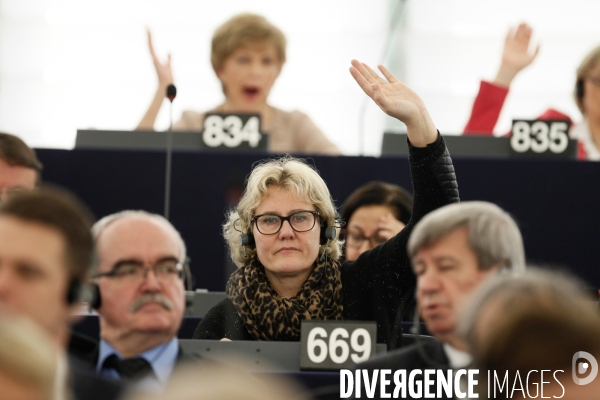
516	54
397	100
165	78
163	71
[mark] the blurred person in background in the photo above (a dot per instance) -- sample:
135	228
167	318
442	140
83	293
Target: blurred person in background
247	55
45	252
532	322
27	360
374	213
517	55
19	167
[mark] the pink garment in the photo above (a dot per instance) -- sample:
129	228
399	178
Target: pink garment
488	105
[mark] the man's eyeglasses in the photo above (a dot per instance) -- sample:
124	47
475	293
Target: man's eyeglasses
300	221
165	271
356	240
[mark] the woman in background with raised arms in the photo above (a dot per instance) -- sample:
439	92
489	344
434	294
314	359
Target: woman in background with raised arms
288	256
247	54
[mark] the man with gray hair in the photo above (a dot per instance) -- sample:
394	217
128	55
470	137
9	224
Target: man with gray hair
141	302
453	250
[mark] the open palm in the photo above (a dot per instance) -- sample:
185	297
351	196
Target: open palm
397	100
163	70
516	53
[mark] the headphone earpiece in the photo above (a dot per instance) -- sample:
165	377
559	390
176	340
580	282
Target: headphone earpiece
95	300
330	232
73	292
247	239
579	89
327	233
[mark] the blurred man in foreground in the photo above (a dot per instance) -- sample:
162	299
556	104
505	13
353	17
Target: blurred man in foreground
540	330
45	251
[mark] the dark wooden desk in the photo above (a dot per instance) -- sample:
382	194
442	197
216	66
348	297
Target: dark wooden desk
556	203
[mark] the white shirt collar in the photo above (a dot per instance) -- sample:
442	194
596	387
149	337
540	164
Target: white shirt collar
457	358
61	379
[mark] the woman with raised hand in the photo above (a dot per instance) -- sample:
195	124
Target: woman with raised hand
247	54
516	56
282	236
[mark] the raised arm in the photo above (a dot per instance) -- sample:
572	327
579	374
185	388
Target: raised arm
165	78
380	282
516	55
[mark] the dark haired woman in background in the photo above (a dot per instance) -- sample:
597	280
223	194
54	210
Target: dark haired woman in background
374	213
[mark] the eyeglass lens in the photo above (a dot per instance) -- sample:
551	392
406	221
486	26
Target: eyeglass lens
269	224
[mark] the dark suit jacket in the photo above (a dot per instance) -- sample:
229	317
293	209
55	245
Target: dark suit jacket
86	350
86	384
410	358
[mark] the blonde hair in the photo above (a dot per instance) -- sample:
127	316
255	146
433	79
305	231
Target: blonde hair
288	173
588	63
27	355
243	30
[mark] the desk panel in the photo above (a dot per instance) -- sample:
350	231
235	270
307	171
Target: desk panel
555	202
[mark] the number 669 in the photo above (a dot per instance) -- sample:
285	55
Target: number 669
338	349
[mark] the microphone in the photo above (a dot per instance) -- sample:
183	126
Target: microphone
171	93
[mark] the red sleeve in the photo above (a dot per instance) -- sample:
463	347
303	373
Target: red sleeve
581	154
486	109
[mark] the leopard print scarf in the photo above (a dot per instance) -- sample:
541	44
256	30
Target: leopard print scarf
267	316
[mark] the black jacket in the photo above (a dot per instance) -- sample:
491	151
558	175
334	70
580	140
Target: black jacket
411	358
86	385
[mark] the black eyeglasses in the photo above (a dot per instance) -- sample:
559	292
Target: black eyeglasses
134	271
300	221
356	240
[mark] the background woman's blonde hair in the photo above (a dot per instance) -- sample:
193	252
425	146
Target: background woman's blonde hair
588	63
243	30
27	355
287	173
